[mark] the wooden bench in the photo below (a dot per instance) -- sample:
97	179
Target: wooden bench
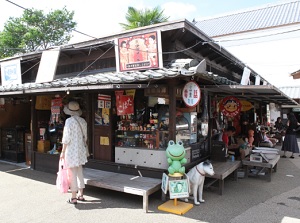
223	170
142	186
271	165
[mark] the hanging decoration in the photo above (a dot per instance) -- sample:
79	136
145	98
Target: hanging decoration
230	106
125	103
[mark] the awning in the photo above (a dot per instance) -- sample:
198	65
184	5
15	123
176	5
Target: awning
258	93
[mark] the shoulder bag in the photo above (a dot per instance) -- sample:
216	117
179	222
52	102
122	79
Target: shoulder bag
84	140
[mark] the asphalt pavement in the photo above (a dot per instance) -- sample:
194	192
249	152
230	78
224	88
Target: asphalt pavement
31	196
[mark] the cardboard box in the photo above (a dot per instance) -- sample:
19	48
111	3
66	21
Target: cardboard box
43	146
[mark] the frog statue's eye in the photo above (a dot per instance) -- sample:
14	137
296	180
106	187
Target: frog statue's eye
180	143
171	143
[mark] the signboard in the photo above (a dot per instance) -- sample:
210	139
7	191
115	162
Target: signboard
178	188
246	105
11	72
230	106
138	52
164	183
47	67
191	94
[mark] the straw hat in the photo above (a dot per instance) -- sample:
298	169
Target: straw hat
72	108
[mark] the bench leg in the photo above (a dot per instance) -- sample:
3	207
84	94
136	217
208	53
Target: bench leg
246	171
270	174
275	167
145	202
221	187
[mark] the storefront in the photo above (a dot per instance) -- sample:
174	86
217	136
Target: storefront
135	97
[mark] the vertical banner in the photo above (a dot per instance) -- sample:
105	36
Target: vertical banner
138	52
125	105
11	72
245	77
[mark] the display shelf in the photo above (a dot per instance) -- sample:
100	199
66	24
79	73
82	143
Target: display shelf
135	138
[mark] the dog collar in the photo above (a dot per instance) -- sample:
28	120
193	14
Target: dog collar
200	172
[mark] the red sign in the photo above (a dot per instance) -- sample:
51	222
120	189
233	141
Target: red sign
230	106
191	94
125	105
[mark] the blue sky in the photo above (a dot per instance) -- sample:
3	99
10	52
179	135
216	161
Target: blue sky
98	19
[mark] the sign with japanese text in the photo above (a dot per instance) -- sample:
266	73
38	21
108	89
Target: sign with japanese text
125	105
230	106
191	94
138	52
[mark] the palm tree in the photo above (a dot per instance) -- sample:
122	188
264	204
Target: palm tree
139	18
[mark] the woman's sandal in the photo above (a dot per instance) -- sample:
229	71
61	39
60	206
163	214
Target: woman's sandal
284	156
292	157
72	201
80	198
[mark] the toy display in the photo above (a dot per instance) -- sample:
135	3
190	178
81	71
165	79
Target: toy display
176	153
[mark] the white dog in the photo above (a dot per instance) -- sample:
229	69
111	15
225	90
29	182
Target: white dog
196	177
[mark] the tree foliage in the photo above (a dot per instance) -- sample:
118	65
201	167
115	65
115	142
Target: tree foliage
35	30
139	18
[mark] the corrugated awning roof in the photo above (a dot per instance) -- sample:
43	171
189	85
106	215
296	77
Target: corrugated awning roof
271	15
259	93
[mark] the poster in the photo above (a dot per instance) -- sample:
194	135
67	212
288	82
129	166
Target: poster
138	52
102	112
179	188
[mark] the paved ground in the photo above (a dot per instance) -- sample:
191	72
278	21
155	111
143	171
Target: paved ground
31	196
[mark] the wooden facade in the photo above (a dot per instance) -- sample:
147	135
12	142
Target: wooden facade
179	40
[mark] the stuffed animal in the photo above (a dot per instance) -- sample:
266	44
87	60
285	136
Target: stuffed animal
176	153
196	177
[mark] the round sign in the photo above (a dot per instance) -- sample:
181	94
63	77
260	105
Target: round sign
230	106
246	105
191	94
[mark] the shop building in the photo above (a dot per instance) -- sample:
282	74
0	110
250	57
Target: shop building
138	90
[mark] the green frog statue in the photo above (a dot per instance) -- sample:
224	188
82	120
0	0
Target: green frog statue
176	153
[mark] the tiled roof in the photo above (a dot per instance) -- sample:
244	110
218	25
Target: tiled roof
109	79
292	91
274	15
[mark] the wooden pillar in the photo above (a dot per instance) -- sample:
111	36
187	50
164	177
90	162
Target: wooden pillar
172	109
33	130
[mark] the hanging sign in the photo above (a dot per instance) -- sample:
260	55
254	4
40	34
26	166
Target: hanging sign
125	105
230	106
246	105
191	94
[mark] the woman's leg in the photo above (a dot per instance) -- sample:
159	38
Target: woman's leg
80	181
72	174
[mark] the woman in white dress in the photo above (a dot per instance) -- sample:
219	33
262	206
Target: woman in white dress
74	149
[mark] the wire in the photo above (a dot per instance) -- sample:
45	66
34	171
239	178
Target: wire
95	61
33	12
